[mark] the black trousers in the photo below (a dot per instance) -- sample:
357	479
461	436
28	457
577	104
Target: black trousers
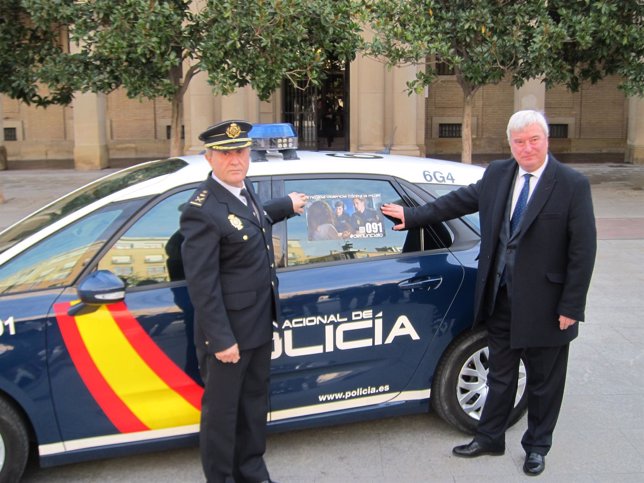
546	378
232	436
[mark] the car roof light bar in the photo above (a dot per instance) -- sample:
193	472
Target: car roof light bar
273	137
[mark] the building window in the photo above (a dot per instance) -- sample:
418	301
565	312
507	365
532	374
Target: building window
10	134
168	132
446	130
444	69
558	131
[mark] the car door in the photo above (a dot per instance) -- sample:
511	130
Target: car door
133	367
360	302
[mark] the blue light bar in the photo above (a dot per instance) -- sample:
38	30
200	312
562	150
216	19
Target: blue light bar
273	137
278	130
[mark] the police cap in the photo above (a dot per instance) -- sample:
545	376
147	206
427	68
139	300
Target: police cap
227	135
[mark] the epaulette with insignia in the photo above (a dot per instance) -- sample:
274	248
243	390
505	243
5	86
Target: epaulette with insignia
199	198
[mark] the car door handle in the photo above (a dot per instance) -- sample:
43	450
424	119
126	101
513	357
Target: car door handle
424	283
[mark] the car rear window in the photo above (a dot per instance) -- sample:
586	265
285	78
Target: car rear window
86	195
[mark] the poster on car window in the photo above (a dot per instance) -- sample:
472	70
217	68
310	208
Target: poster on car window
344	216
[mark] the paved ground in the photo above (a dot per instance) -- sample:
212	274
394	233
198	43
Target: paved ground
600	435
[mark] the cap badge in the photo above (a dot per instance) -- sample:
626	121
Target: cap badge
233	131
236	222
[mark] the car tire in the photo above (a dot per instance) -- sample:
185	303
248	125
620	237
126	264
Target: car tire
14	444
459	389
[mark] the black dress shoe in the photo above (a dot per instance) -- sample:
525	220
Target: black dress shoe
534	464
474	449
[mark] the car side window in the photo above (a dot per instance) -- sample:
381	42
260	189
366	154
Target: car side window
149	252
342	220
57	260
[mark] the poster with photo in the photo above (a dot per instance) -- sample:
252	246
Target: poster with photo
344	216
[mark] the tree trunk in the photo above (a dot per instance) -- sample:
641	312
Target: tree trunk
176	124
466	131
177	142
466	126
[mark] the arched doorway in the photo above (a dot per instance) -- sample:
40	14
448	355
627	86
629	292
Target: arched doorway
320	114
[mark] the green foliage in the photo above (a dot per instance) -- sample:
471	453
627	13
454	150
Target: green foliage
144	46
262	42
26	51
599	38
563	41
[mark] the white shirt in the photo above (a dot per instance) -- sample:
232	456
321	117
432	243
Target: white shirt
234	190
519	180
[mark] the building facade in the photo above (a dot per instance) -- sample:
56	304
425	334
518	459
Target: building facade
362	107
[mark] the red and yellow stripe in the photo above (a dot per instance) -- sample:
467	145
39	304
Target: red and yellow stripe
133	381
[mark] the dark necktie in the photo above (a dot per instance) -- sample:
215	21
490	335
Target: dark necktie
249	202
521	204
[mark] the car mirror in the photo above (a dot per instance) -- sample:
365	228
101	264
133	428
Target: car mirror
98	288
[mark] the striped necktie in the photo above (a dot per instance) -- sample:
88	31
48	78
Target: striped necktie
521	204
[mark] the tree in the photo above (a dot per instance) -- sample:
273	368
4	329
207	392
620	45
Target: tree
561	41
153	48
24	48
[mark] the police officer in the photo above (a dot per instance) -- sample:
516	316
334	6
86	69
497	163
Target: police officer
230	271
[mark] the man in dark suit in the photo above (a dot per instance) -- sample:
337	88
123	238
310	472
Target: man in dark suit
230	271
538	244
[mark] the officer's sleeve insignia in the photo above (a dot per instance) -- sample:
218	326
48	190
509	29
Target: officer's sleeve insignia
199	198
236	222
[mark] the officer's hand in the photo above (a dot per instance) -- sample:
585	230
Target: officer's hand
392	210
228	355
299	200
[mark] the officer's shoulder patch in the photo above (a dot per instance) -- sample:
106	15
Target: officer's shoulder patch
199	198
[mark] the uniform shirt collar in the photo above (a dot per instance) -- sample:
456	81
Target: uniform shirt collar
234	190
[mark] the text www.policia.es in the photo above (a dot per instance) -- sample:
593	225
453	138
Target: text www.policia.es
361	391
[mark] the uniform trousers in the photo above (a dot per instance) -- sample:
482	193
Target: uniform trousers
546	378
232	436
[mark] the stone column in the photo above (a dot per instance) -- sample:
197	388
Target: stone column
635	139
3	150
367	109
90	135
242	104
200	109
404	113
531	95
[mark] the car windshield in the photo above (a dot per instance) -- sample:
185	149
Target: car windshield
86	195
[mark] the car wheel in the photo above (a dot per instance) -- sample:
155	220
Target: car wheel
460	387
14	443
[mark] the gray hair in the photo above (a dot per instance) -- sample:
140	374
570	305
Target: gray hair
522	119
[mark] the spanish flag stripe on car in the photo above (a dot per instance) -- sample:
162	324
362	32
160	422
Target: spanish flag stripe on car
155	358
132	380
115	410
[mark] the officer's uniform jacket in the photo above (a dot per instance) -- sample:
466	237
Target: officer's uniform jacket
229	267
551	256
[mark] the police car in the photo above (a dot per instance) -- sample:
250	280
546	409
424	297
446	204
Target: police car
96	326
